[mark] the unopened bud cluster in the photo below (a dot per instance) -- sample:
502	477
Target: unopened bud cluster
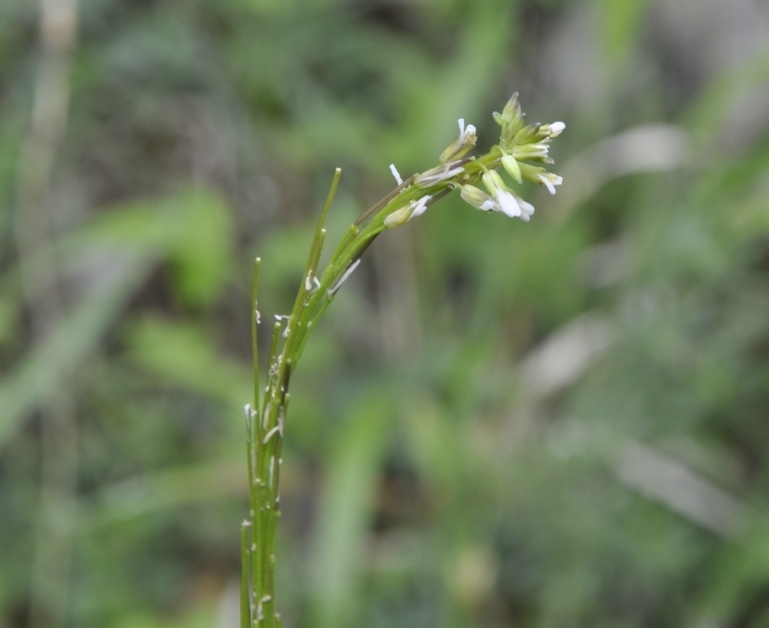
522	152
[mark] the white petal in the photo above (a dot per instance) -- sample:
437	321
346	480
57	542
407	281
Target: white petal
547	183
527	209
397	176
556	128
419	207
508	204
461	126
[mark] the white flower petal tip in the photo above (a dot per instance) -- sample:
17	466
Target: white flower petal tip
396	174
527	209
466	133
550	181
556	128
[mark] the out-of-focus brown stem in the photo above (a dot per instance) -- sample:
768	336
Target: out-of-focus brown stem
41	289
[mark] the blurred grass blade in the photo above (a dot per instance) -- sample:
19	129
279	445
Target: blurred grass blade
48	366
344	515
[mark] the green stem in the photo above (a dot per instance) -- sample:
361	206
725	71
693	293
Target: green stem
245	571
265	428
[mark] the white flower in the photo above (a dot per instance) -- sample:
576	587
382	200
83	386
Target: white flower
555	129
478	199
497	188
550	180
404	214
482	201
463	143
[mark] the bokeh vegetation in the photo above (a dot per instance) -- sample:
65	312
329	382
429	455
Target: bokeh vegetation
560	423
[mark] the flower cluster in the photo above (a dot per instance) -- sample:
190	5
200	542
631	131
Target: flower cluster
518	144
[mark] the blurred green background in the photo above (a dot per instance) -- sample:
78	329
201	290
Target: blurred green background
556	424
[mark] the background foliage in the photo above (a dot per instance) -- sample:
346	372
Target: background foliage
561	423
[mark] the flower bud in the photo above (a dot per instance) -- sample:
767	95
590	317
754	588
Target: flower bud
398	217
513	169
531	151
527	133
511	120
512	109
493	182
554	129
404	214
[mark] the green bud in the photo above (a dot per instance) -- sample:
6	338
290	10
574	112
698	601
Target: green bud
527	133
398	217
511	120
513	169
512	110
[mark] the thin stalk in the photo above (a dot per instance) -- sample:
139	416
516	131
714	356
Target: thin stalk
245	572
271	362
384	200
254	340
